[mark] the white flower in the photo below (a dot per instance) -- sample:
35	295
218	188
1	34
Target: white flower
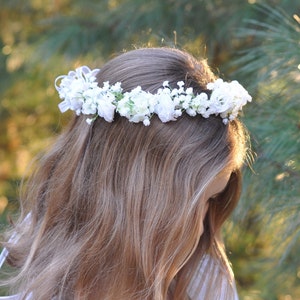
90	120
227	99
105	107
146	122
180	84
191	112
116	88
165	84
189	91
80	92
165	108
74	87
181	87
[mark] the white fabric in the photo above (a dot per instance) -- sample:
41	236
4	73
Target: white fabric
15	297
13	239
211	275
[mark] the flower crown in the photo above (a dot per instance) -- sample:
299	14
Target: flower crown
80	92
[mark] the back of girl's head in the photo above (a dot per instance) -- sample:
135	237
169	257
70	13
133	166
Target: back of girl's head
117	206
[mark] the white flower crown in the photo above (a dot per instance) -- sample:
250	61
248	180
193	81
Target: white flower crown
80	92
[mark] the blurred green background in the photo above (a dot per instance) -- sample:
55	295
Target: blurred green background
256	42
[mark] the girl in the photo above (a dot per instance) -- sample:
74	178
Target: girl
130	201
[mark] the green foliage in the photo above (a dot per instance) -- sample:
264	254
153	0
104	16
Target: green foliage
257	44
274	49
270	205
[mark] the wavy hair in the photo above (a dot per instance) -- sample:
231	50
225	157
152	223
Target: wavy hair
115	207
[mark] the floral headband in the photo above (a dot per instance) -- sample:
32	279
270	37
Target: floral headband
80	92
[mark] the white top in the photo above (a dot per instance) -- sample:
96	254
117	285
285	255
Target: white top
211	275
15	297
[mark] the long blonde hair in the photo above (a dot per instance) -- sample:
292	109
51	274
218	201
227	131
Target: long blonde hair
115	207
